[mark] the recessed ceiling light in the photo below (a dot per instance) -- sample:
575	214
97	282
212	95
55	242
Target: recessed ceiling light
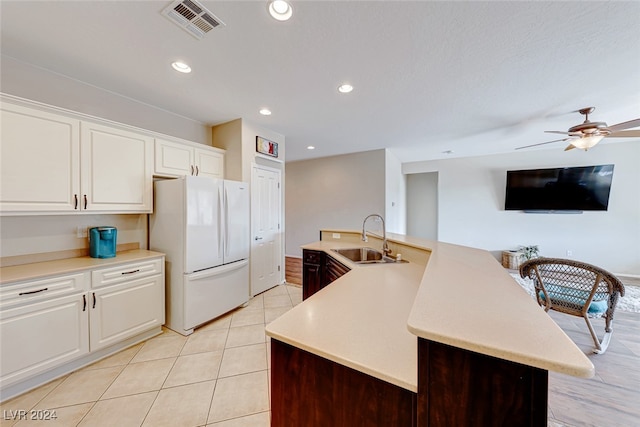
181	66
265	112
311	147
280	10
345	88
447	152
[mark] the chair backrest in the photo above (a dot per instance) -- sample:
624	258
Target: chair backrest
570	284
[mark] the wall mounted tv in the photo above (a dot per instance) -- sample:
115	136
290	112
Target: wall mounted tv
570	189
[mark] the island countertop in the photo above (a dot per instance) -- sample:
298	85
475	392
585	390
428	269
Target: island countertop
370	318
468	300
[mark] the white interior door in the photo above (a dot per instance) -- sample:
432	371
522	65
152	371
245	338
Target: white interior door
266	220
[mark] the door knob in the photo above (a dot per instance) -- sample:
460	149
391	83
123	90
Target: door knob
258	238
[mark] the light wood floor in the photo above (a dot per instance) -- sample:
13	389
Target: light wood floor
612	397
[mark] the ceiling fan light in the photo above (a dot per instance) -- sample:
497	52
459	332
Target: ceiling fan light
586	142
181	67
280	10
345	88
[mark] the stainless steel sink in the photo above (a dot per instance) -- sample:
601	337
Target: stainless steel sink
365	256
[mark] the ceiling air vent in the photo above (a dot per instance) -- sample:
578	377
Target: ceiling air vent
192	17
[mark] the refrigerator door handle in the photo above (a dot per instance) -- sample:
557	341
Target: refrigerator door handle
216	271
219	222
226	223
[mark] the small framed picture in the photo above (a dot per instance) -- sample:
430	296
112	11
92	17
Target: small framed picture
267	147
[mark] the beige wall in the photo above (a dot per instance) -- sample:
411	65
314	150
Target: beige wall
25	235
395	195
238	138
422	205
335	192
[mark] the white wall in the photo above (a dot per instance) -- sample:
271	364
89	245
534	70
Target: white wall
39	234
395	215
21	79
422	205
471	206
332	192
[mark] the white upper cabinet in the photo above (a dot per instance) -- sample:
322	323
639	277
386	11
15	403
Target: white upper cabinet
175	159
116	169
56	163
209	163
40	160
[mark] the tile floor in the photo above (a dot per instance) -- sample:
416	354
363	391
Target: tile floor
218	376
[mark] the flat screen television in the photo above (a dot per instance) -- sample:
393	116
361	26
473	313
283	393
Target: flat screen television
584	188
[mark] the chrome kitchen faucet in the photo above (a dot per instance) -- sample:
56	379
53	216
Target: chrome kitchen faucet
385	246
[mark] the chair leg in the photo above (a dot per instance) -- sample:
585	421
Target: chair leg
600	346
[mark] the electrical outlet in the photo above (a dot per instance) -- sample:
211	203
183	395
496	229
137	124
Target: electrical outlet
81	232
569	252
336	235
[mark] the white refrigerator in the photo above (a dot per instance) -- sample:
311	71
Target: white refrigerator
202	225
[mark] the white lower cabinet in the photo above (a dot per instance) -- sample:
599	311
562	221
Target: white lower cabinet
40	336
53	321
122	311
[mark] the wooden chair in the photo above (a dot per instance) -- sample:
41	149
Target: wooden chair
576	288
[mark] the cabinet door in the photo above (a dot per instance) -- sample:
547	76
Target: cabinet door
310	280
37	337
209	163
122	311
173	159
40	160
116	173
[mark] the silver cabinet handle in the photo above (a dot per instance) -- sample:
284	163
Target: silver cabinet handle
191	169
197	171
130	272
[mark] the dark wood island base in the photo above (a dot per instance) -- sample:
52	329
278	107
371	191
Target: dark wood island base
456	387
459	387
311	391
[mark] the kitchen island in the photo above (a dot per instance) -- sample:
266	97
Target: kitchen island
446	339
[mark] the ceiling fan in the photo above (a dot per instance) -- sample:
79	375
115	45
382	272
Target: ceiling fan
587	134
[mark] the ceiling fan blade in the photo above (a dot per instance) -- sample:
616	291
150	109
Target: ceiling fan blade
625	134
542	143
625	125
556	131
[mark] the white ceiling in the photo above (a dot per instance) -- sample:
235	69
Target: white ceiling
472	77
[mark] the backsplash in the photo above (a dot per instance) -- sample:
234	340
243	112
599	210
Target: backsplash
23	236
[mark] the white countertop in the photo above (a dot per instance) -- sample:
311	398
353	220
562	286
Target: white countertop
359	320
468	300
369	318
35	270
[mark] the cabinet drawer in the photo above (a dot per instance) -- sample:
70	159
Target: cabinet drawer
125	272
43	289
311	257
336	267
